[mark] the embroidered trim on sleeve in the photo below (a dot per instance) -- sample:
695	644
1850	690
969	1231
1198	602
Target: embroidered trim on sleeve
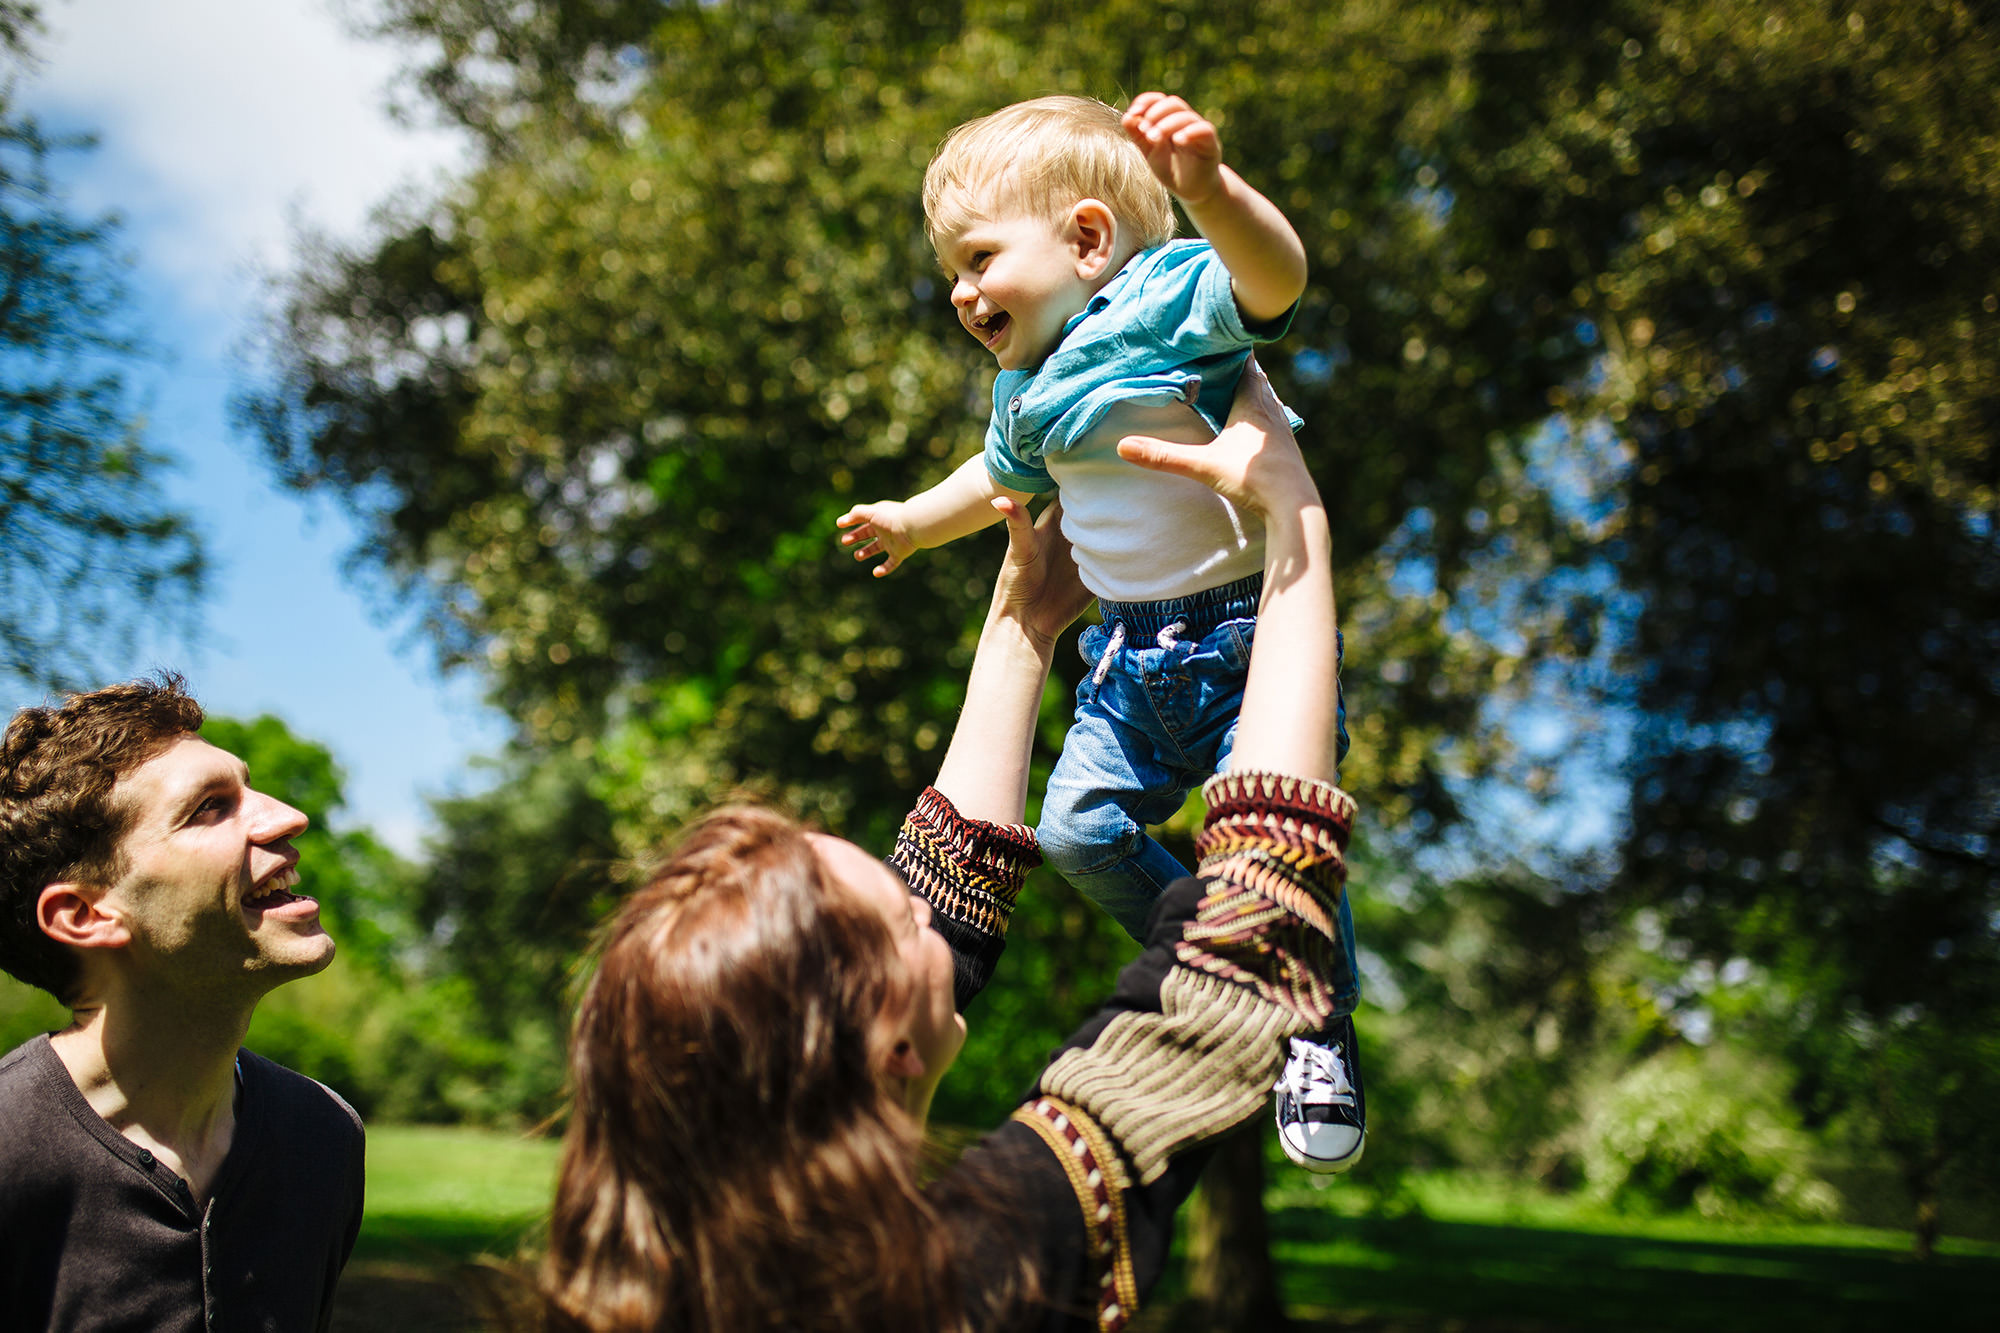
1092	1165
1273	855
970	870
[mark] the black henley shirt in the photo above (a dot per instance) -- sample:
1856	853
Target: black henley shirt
96	1234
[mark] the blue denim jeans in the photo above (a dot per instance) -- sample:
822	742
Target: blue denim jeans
1154	720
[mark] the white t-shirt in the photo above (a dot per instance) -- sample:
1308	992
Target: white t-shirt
1145	536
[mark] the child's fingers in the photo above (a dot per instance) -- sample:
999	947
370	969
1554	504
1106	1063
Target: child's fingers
1136	113
860	534
1181	128
882	570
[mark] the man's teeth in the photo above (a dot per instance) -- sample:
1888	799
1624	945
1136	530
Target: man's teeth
283	882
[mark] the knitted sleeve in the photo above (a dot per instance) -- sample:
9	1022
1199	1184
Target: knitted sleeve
1192	1040
970	872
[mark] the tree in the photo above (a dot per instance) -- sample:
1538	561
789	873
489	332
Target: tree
517	879
598	407
1801	337
90	552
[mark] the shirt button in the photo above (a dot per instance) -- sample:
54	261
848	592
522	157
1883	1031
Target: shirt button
1014	406
146	1158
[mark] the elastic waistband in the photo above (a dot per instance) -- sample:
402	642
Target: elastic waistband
1199	612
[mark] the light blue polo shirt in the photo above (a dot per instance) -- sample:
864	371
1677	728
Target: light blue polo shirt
1166	329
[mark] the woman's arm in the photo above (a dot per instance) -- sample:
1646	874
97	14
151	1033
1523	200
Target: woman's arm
963	848
1286	724
1037	595
1116	1132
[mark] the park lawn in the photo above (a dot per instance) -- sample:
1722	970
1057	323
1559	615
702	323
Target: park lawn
441	1196
1478	1257
1480	1254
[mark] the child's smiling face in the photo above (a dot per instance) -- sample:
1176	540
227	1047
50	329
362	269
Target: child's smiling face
1016	280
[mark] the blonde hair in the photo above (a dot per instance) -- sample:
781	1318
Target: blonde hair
1042	156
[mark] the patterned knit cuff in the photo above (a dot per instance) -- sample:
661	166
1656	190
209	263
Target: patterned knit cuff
1274	866
1297	822
970	871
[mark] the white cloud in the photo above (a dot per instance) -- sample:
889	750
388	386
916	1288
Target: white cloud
223	122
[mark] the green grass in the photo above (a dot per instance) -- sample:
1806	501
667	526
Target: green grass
1478	1256
440	1196
1485	1254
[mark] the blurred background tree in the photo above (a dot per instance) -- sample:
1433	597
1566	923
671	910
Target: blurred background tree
1648	366
91	552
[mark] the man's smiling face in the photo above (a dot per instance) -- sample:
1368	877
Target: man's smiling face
207	876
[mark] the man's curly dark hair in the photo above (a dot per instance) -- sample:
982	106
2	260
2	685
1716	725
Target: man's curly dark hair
58	766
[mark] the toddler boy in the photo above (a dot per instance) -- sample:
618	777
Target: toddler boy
1053	220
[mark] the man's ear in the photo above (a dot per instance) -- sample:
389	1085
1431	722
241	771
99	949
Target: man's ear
1092	237
73	913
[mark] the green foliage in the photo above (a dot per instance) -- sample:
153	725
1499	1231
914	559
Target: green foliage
517	879
25	1012
1801	334
1498	1006
1062	957
1703	1129
597	405
91	554
600	405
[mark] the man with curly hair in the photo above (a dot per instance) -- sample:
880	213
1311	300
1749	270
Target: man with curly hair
153	1174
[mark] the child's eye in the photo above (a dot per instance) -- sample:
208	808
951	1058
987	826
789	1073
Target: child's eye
979	260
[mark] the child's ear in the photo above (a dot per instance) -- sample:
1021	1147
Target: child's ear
1093	238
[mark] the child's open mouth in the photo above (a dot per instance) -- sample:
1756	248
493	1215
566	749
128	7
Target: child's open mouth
989	328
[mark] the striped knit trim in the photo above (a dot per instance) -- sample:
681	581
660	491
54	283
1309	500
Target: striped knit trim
1162	1082
1273	856
1091	1163
1277	793
970	870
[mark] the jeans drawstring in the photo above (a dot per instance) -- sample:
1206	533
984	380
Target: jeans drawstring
1111	647
1166	638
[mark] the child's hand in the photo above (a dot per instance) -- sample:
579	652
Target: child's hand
883	528
1180	146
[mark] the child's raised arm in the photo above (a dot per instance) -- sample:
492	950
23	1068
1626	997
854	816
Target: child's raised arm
959	505
1264	256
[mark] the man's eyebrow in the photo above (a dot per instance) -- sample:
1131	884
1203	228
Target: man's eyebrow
208	784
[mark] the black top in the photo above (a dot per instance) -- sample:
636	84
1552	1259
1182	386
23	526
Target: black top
96	1234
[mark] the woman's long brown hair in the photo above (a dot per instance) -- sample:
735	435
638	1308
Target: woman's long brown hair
733	1161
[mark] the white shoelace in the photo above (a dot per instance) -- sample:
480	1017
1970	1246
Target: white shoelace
1315	1068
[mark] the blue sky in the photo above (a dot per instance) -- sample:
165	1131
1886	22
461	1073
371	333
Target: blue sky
224	126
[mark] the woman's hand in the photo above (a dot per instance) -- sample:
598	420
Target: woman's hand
1038	583
1254	463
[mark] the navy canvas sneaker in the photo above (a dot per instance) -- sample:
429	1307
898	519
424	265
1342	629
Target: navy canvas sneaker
1322	1120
